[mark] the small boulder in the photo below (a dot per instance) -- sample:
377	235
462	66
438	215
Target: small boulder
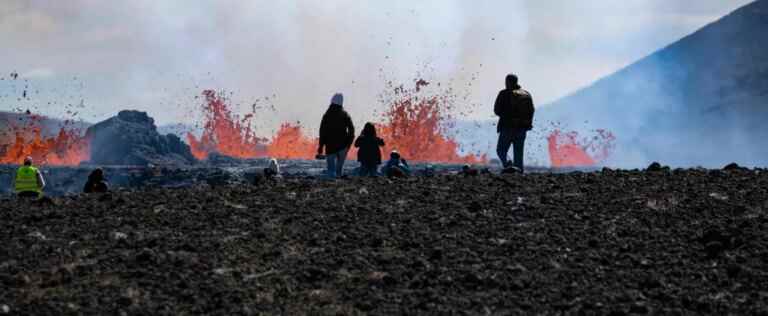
656	167
733	167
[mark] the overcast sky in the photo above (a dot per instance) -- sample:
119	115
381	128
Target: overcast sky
156	55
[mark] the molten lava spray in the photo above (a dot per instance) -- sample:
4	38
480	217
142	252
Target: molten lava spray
228	134
567	150
224	132
415	124
67	148
290	143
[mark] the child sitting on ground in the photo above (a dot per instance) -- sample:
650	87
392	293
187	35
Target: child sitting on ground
396	167
369	151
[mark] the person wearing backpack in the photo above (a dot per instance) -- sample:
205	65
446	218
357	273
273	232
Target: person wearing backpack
514	107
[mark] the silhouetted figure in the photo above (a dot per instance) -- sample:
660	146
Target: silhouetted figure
96	182
369	151
396	166
29	182
273	170
336	136
514	107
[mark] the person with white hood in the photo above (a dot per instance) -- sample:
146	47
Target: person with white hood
337	133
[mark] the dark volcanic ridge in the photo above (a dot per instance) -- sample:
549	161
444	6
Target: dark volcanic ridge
699	101
671	242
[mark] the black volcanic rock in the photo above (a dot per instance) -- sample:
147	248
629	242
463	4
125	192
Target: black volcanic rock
602	243
131	138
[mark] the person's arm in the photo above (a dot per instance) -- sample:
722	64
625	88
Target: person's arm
40	180
357	142
323	136
350	131
498	106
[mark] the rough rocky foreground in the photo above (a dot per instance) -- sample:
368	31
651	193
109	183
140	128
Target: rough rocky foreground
618	242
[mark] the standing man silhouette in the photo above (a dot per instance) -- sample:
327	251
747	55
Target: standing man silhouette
514	107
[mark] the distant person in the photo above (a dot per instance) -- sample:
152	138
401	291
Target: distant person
272	170
369	151
336	136
29	182
514	107
396	166
96	182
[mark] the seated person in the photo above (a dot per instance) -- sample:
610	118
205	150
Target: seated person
273	170
396	166
96	182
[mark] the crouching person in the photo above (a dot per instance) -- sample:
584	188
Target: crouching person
369	151
96	182
273	170
396	166
29	182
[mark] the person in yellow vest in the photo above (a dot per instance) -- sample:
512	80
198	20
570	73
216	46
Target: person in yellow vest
29	182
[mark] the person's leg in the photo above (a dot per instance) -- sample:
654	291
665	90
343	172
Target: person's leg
502	148
330	160
519	146
342	156
365	170
28	195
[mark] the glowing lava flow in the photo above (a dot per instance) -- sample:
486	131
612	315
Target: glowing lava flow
224	132
566	150
415	126
67	148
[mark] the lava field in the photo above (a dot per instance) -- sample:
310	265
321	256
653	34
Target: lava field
609	242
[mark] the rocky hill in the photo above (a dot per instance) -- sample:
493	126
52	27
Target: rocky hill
699	101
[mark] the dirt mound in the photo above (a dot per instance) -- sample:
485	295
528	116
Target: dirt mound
595	243
131	138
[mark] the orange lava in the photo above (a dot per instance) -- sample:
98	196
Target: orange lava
224	132
290	143
414	124
68	148
566	150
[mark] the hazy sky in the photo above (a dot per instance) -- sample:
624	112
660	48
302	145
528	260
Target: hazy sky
156	55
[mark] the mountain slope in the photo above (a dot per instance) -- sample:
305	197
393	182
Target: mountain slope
700	101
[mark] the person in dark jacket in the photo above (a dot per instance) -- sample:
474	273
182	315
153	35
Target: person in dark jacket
514	107
396	166
96	182
336	136
369	151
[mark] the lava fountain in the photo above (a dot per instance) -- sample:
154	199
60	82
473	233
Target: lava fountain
224	132
415	124
568	150
69	147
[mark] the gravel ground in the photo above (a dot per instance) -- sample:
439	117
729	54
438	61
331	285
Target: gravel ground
610	242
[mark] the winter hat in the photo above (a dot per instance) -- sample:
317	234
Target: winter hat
338	99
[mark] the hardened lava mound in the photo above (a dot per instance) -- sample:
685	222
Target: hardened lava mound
620	242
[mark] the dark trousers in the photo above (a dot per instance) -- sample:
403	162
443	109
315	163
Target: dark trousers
370	170
28	194
514	137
